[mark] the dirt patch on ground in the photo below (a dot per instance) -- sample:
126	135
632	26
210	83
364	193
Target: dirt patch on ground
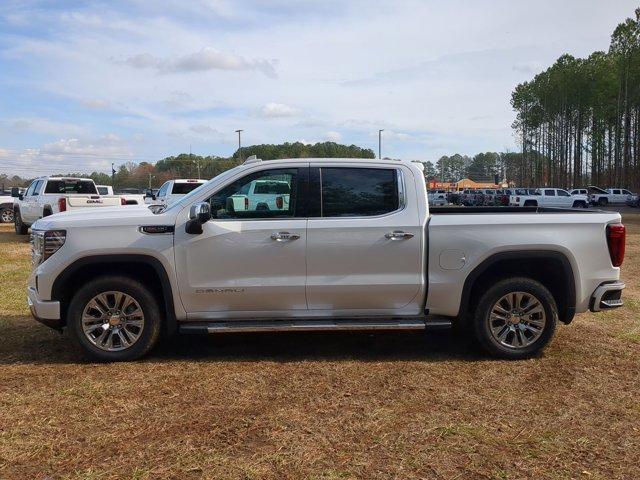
321	406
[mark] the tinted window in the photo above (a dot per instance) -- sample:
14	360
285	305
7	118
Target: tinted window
70	186
626	192
184	188
616	192
276	197
103	190
550	193
357	192
562	193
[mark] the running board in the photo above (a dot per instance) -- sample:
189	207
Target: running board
313	325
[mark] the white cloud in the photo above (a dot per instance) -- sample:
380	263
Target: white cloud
37	125
96	103
333	136
528	67
204	60
275	110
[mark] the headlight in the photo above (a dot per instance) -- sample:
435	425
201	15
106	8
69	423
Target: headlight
46	243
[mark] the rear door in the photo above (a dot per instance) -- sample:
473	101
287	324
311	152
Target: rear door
549	199
364	239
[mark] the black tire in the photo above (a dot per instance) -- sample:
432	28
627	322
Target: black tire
603	202
6	215
152	322
530	203
579	204
482	323
21	228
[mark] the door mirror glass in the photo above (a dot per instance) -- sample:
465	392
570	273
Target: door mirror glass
15	192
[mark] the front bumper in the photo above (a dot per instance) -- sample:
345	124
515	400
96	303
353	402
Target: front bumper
46	312
607	296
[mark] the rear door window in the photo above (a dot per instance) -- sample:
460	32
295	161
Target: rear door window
358	192
550	193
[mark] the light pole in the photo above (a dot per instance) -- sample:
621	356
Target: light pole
380	143
239	141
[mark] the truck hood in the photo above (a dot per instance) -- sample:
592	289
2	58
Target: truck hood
106	216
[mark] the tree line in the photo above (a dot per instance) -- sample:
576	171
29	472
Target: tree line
185	165
579	120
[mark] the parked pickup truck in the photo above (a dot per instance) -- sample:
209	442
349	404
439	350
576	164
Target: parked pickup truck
173	190
358	248
550	197
262	195
48	195
601	197
131	196
6	208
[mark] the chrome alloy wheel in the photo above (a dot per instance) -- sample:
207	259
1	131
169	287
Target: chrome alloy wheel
112	321
517	320
6	216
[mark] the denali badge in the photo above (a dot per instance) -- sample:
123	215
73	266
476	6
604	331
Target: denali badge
219	290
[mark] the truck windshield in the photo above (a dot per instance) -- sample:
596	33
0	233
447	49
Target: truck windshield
71	186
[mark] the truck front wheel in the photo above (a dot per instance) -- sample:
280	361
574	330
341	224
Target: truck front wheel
114	318
21	228
515	318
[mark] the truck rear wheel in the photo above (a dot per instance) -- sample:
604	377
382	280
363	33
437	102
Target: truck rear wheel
603	202
530	203
114	318
515	318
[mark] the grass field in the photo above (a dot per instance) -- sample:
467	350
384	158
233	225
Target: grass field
323	406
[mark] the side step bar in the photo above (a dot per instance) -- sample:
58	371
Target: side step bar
315	325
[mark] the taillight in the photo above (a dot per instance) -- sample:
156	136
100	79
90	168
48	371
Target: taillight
279	203
246	203
62	204
616	237
123	201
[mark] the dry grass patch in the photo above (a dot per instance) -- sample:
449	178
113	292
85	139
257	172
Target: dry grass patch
323	406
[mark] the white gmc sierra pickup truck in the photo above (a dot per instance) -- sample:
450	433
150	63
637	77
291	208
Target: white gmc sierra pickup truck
48	195
356	248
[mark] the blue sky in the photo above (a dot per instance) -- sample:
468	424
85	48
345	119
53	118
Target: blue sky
85	84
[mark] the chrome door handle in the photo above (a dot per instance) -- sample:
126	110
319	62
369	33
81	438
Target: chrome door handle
284	236
398	235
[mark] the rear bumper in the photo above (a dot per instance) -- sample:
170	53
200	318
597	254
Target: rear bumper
44	311
607	296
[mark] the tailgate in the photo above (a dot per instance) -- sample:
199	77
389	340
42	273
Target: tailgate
83	201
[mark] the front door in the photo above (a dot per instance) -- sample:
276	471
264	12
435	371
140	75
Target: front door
364	246
250	258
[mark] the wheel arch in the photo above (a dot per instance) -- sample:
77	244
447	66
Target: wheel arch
551	268
144	268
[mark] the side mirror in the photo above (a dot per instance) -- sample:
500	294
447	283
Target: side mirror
15	192
199	214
